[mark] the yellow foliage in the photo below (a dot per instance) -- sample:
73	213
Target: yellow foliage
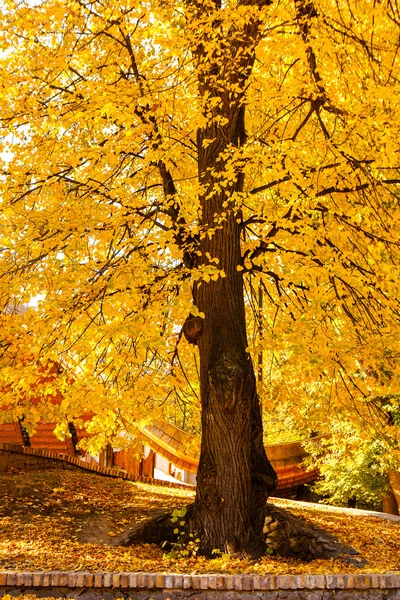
98	104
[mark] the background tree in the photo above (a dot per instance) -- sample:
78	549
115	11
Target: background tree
160	156
354	469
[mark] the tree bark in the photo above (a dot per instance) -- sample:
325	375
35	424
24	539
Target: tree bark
234	477
389	503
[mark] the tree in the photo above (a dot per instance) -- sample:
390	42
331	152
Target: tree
352	468
160	160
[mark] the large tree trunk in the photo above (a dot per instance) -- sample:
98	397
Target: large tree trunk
234	476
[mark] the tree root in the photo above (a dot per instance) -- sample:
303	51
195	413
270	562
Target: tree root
158	529
290	536
285	535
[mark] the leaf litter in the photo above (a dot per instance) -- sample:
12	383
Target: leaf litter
72	521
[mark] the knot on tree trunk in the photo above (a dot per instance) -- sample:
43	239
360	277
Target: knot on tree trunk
226	378
192	328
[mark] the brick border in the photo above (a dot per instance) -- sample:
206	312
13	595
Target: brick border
175	581
81	464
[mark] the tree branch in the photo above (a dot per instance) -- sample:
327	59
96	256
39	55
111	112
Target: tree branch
184	240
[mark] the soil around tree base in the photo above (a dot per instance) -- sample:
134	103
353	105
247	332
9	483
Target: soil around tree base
286	535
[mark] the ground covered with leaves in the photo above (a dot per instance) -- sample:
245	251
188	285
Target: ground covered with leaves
72	520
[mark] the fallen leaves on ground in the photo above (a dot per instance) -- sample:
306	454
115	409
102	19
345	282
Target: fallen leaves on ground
25	597
71	520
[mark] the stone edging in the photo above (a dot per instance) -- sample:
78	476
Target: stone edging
134	581
81	464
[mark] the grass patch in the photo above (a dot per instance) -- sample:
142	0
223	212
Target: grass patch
71	521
